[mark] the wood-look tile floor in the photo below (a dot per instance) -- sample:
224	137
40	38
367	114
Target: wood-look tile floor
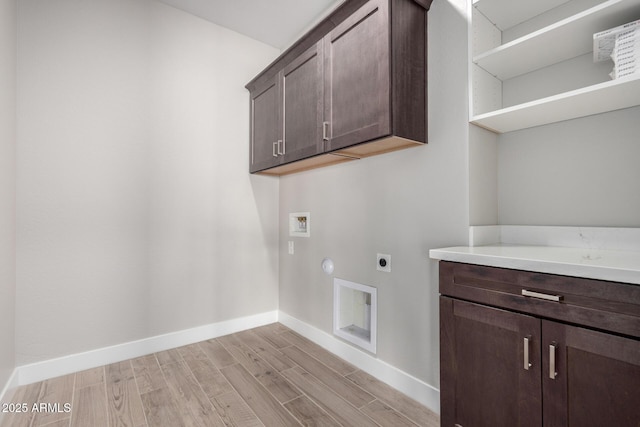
268	376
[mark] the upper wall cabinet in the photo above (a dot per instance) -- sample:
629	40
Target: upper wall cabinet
302	97
357	78
287	111
265	126
354	86
532	62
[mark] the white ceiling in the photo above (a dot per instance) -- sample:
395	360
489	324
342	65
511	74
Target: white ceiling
274	22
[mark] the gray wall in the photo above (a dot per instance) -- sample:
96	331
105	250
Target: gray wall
7	186
136	213
402	204
581	172
483	176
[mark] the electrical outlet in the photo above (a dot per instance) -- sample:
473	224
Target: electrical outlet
291	247
383	263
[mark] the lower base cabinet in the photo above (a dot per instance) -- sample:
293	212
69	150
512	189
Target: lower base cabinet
481	382
502	367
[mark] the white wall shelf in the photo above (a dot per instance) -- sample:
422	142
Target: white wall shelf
560	41
507	14
547	57
600	98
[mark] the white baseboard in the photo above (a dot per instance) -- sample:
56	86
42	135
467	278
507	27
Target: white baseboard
417	389
407	384
40	371
6	393
12	383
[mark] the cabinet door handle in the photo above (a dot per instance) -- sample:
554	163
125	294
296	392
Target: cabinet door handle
280	144
274	149
528	293
527	345
325	131
552	360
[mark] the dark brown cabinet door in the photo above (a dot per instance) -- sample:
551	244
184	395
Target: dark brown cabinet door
265	126
303	92
490	366
357	77
586	377
596	377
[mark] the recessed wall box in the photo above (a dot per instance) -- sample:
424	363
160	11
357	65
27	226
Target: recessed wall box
355	313
300	224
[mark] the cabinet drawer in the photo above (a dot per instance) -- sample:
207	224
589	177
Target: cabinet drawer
608	306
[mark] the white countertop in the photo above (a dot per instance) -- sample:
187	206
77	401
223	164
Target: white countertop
611	265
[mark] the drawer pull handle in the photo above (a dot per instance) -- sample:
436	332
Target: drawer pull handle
325	131
274	149
527	344
280	144
552	360
527	293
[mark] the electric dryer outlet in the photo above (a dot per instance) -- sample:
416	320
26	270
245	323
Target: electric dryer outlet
383	263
